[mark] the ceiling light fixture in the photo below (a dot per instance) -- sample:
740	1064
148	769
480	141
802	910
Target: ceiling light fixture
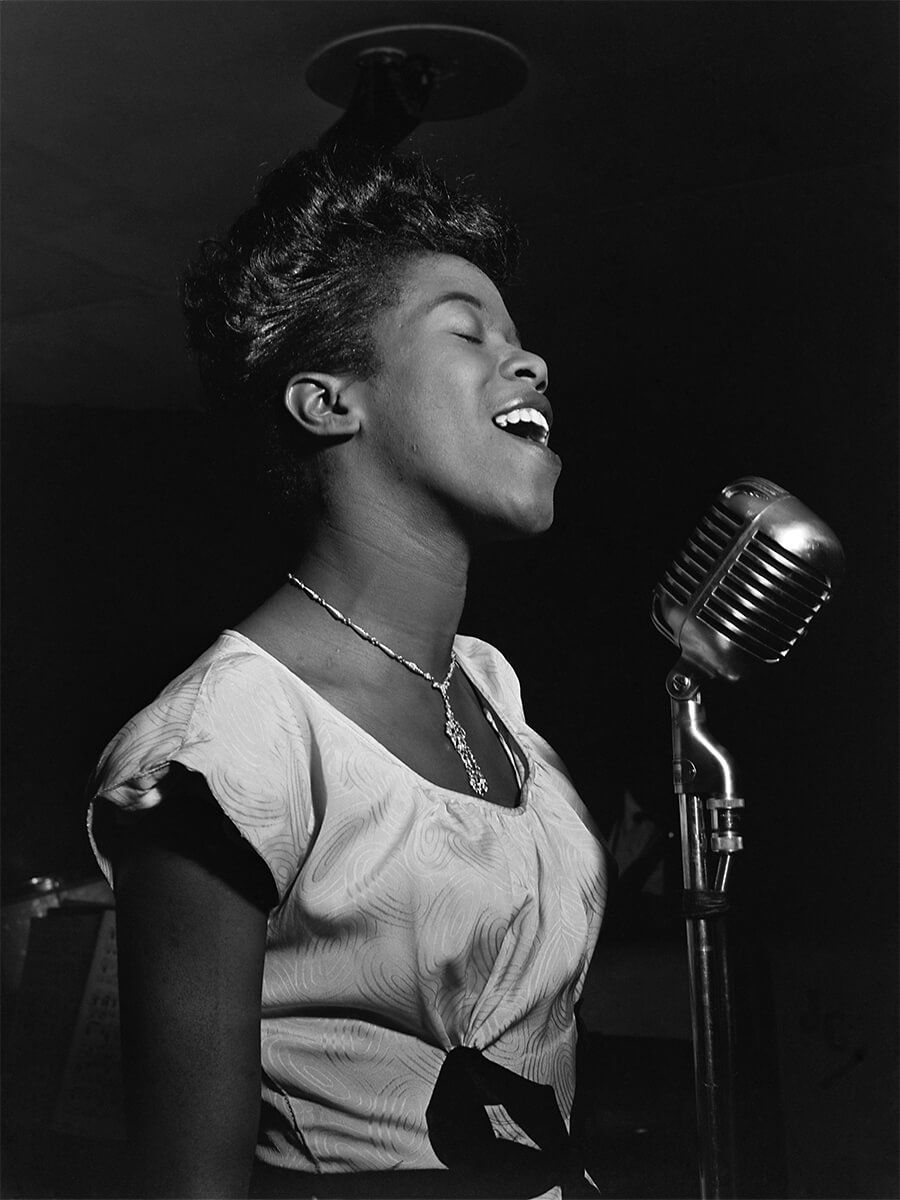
389	80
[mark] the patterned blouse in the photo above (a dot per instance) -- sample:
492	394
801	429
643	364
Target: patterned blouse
410	920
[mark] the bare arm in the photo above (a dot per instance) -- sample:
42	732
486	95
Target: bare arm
191	919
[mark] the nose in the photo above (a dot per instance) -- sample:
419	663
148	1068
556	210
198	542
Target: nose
526	366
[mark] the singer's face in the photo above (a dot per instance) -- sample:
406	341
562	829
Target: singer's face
458	419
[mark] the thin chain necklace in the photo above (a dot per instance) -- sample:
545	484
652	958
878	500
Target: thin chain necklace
452	727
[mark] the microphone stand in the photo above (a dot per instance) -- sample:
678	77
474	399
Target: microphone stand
709	810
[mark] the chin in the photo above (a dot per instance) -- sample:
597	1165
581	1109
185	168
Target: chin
523	521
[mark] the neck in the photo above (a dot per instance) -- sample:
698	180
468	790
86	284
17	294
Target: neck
408	592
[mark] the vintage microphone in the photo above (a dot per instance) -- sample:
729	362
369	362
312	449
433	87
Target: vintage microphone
742	592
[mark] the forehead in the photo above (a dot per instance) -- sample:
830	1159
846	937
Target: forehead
432	280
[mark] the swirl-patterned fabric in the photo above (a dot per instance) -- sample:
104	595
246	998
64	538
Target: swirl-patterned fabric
411	919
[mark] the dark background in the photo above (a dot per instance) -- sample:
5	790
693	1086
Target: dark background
708	193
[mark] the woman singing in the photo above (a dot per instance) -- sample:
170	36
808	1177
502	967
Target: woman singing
357	895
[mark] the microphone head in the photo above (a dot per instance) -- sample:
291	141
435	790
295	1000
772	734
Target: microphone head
756	570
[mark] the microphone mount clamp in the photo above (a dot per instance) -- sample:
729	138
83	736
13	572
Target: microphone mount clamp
702	767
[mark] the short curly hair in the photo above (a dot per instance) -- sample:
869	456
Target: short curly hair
297	281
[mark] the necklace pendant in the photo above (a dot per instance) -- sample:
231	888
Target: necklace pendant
457	736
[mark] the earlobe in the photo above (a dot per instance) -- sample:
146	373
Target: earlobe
320	404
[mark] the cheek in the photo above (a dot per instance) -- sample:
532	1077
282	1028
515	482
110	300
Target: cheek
425	404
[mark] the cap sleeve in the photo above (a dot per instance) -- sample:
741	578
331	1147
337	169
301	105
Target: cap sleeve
232	722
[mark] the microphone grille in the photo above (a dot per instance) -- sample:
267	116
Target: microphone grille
738	578
765	600
703	551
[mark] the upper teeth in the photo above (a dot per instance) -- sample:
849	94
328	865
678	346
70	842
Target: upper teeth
524	414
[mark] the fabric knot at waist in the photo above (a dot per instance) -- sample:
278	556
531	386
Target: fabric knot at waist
463	1137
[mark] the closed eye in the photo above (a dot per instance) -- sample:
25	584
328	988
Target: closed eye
469	337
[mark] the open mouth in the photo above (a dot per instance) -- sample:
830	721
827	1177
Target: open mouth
525	423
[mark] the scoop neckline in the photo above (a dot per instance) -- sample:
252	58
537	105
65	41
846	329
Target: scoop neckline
525	788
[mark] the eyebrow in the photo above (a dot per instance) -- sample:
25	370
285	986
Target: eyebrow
464	298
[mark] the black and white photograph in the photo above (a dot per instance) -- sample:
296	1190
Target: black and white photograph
449	595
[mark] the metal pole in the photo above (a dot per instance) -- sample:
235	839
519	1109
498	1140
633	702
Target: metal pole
698	761
710	1017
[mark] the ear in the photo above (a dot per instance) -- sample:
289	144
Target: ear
323	404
